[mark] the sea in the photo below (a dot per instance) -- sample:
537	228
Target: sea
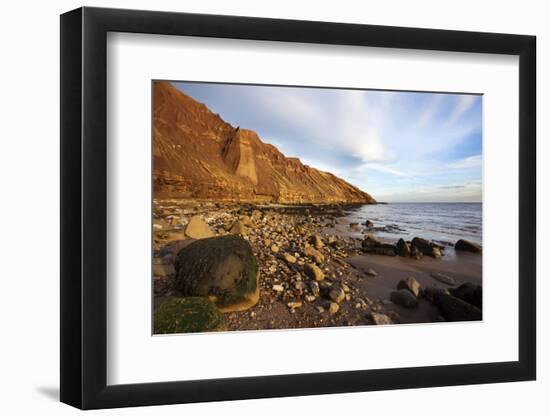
444	223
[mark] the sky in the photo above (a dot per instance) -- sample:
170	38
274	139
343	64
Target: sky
397	146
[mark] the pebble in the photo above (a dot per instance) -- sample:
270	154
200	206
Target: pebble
333	308
278	288
337	294
294	304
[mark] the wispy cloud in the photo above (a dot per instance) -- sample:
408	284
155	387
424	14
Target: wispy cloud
463	104
469	162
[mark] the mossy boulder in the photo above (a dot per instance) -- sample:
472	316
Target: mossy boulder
188	315
222	268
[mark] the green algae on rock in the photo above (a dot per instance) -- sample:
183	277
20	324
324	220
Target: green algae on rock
188	315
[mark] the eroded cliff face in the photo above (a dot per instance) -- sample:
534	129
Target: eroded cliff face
198	155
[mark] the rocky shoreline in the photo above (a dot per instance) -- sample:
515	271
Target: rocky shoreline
230	266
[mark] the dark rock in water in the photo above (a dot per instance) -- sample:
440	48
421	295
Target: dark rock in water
222	268
466	245
426	247
404	298
368	223
369	242
410	284
402	248
429	293
371	245
445	279
469	292
415	252
455	309
188	315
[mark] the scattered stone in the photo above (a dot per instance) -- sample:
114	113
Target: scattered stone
402	248
320	309
278	288
300	285
238	228
368	223
469	292
245	220
445	279
429	293
426	247
289	258
410	284
337	294
310	298
198	229
354	226
314	288
394	316
380	319
455	309
333	308
314	272
466	245
314	254
404	298
274	248
294	304
188	315
317	241
223	267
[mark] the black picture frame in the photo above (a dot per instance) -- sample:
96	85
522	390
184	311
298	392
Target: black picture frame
84	207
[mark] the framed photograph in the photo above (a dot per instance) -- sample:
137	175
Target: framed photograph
256	208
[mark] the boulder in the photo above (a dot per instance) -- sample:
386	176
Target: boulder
223	268
404	298
427	247
369	242
314	272
429	293
313	253
402	248
455	309
469	292
467	246
445	279
198	229
188	315
410	284
415	252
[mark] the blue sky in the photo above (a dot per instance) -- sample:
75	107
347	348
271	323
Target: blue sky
398	146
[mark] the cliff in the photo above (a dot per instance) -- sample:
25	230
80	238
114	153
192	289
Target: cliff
198	155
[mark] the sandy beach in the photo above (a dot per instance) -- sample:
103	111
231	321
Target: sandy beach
356	287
